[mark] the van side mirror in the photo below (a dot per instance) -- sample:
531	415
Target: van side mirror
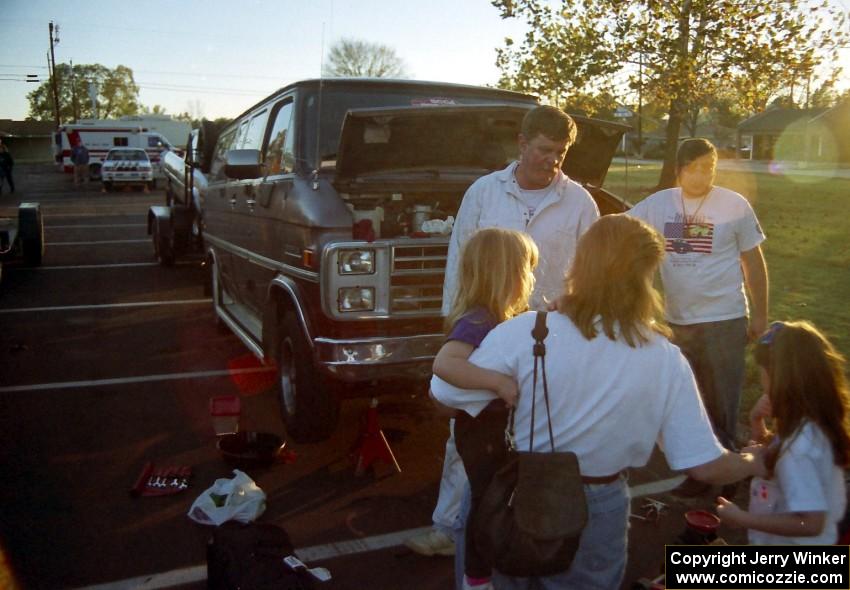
243	164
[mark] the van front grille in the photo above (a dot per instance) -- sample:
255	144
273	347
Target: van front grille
416	282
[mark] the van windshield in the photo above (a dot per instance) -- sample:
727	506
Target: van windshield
127	155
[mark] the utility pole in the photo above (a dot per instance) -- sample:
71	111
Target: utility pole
640	106
55	84
75	104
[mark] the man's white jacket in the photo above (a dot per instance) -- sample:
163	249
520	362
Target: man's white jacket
493	201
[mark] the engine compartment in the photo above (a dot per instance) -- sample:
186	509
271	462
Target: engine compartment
395	214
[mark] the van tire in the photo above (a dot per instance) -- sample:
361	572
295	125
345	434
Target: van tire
163	247
309	402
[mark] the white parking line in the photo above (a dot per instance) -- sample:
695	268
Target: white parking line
656	487
91	266
106	306
146	241
100	225
131	380
52	215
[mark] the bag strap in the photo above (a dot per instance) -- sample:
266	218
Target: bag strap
539	333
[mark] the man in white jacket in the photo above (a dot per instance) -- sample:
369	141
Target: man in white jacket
532	195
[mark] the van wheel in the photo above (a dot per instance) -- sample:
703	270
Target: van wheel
308	400
162	247
31	232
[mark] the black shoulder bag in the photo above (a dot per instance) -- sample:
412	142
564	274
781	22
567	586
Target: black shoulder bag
530	519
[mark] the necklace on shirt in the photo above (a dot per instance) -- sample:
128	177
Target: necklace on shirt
691	218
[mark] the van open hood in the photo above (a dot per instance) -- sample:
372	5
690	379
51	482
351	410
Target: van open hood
455	143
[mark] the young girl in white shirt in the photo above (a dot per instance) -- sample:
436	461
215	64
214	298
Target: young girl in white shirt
804	497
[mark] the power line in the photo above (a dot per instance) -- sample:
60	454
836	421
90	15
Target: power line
203	90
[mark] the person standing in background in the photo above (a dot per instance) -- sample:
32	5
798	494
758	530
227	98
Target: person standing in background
80	158
713	259
6	164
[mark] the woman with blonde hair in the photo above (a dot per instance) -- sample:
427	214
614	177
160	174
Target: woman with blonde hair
616	387
806	393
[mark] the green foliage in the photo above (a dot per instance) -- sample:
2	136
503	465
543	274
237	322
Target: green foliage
362	59
117	93
686	51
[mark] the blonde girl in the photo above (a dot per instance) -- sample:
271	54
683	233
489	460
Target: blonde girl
495	280
803	497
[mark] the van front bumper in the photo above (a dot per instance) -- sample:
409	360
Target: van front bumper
367	359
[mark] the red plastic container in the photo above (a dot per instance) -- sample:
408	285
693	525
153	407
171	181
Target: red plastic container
702	521
225	411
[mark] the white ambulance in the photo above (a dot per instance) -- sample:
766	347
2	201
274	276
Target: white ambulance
101	136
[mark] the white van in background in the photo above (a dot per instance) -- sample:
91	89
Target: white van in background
100	136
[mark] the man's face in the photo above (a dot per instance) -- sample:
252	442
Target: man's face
540	160
697	177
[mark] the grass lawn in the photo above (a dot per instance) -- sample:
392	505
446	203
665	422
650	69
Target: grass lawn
807	249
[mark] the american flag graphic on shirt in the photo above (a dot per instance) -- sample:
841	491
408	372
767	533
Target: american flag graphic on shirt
682	237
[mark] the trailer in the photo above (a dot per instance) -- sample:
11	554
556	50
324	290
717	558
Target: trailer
176	228
22	236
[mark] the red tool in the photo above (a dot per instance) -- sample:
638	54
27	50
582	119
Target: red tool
372	444
163	481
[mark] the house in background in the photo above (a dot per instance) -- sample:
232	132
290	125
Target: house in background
777	134
28	141
828	135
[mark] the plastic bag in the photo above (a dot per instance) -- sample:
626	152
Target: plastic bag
238	499
438	226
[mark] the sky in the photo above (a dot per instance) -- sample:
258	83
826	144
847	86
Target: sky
216	58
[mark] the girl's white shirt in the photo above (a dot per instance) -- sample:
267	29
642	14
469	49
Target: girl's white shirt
806	480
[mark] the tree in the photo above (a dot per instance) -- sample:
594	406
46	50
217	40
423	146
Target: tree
362	59
156	109
688	49
117	93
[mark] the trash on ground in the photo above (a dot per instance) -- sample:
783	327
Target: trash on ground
238	498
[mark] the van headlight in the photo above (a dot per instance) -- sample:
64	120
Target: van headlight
356	299
356	262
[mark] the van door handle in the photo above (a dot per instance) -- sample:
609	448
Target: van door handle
250	203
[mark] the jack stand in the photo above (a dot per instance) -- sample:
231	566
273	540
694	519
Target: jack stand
372	444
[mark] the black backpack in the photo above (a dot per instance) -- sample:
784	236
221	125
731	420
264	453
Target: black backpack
250	557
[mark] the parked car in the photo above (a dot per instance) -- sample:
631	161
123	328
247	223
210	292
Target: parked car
312	215
127	167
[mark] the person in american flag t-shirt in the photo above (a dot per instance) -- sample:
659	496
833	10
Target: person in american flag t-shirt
713	261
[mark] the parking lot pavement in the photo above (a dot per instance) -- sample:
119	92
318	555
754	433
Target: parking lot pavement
108	361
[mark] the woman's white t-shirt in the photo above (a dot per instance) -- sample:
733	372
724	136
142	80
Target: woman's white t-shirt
610	403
